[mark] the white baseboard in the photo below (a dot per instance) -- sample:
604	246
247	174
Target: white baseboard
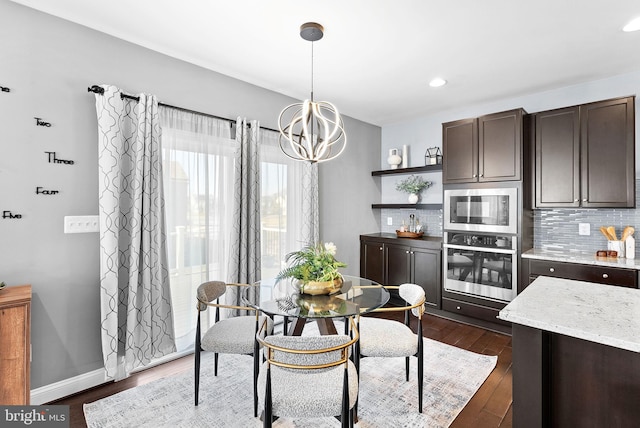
63	388
66	387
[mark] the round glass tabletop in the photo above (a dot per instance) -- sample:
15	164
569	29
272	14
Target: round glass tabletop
356	296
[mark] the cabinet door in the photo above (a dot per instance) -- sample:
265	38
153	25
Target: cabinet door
558	158
372	261
500	146
460	151
608	153
426	273
397	264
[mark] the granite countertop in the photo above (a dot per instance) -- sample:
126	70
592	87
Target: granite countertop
580	257
584	310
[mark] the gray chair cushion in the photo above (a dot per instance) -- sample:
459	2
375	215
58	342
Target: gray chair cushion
386	338
307	393
233	335
307	343
412	294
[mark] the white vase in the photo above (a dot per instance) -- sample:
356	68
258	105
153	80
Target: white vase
413	198
394	159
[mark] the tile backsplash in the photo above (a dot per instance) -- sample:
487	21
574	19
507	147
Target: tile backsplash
554	229
431	220
557	229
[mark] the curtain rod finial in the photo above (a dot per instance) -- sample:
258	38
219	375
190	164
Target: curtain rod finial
96	89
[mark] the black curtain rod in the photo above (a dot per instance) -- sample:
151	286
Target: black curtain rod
99	90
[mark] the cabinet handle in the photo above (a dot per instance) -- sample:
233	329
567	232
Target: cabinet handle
407	251
576	200
481	175
458	307
605	275
584	200
474	175
552	270
380	248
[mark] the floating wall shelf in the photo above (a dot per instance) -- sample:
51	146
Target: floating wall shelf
412	170
416	206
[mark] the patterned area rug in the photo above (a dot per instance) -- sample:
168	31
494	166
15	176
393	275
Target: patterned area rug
452	376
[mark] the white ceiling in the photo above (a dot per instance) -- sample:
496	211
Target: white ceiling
378	56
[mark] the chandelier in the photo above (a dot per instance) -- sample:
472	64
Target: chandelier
311	131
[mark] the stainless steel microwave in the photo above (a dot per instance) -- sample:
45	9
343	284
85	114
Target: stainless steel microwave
481	210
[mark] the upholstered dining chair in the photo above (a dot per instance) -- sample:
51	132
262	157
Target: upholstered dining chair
389	338
308	376
235	335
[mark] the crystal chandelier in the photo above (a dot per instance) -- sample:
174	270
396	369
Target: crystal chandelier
311	131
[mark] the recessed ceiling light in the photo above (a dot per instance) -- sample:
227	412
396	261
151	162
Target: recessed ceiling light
634	25
437	82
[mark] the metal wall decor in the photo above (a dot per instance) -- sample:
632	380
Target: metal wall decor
53	159
10	215
40	122
42	191
4	89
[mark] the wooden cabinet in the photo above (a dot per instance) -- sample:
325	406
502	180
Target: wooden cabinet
393	261
486	149
582	272
15	345
585	155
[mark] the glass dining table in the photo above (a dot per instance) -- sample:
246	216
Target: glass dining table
282	298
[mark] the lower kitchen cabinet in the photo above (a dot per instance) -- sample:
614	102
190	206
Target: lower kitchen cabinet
581	272
394	261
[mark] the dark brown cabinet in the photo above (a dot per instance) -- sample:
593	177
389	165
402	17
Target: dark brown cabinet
585	155
581	272
485	149
393	261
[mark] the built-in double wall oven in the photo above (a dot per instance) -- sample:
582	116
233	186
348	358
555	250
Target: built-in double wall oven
481	242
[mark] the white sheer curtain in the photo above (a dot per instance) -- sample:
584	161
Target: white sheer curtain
289	204
198	157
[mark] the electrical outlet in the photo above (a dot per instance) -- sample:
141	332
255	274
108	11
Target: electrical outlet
389	221
81	224
584	229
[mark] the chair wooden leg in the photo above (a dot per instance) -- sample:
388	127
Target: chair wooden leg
196	364
344	416
406	368
268	410
420	356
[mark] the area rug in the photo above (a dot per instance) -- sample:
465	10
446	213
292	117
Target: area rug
452	376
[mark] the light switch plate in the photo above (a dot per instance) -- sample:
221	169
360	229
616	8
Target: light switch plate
584	229
81	224
389	221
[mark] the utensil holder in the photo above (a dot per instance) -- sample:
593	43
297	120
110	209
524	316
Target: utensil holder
618	246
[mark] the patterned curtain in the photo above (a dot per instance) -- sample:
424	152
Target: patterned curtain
244	256
137	323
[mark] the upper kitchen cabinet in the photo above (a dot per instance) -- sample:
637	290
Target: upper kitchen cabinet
585	155
485	149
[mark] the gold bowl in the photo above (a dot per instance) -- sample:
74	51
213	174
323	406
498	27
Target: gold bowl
316	288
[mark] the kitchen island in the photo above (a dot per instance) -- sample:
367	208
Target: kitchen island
576	354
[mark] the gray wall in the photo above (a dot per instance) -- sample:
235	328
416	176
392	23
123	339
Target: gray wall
48	63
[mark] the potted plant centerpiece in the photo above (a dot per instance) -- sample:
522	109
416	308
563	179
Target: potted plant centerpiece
413	185
315	268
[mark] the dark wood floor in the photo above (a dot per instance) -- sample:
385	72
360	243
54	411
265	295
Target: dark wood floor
489	407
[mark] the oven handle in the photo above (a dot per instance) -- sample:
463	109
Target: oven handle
481	249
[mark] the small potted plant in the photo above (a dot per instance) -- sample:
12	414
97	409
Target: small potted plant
315	268
413	185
